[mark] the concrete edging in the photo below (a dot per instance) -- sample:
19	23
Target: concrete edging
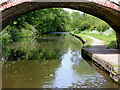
87	54
102	63
78	38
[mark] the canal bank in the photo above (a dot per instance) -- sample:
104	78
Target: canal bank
107	59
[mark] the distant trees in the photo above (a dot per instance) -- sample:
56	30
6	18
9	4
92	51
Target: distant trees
50	20
46	20
36	23
81	22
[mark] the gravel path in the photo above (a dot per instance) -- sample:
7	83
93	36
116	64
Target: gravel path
107	58
99	49
96	43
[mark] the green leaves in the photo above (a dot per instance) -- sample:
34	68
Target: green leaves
48	20
51	20
35	23
84	22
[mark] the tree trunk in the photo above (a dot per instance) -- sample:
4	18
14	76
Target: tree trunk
118	40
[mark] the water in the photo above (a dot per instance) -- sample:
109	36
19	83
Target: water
50	61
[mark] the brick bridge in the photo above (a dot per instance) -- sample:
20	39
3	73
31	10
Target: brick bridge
108	11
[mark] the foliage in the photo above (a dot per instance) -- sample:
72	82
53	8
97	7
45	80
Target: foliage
87	22
48	20
35	23
108	37
56	20
5	37
90	25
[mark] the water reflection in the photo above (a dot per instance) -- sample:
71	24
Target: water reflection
50	61
32	74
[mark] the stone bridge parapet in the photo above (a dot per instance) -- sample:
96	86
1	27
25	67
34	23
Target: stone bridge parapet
106	3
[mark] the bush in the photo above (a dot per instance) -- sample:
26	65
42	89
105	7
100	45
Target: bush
109	32
5	37
76	31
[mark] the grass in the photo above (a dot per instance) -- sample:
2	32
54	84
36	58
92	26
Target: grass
86	39
108	37
115	66
110	41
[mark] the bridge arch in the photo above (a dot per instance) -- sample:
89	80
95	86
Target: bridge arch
109	15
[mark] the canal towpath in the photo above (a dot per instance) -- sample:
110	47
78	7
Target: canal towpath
109	59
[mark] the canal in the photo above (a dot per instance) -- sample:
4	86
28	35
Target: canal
50	61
